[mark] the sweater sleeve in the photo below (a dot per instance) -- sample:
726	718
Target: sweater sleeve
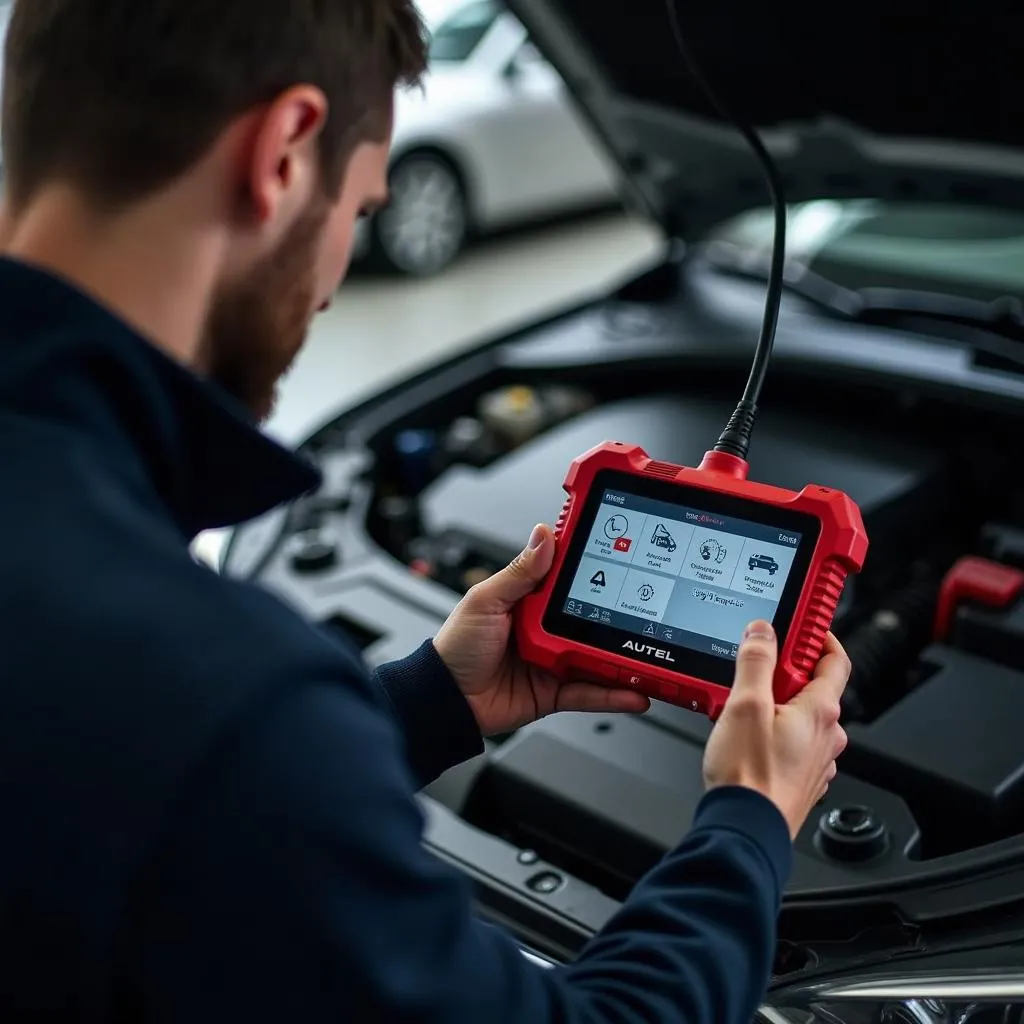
297	887
436	721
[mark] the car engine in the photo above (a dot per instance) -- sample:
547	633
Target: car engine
434	485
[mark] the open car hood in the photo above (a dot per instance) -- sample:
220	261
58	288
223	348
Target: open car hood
876	101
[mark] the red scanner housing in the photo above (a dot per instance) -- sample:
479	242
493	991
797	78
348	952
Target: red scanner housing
840	549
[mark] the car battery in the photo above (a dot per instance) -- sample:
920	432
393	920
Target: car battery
981	610
946	749
994	633
1004	544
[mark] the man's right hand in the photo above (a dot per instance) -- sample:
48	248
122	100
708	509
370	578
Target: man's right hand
787	753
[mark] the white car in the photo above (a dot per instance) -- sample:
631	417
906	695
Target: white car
491	139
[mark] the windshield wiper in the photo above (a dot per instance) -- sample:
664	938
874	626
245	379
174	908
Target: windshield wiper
993	329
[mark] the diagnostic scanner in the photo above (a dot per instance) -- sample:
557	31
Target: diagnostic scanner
659	568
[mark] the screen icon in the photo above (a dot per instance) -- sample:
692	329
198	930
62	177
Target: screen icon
645	592
649	629
661	538
712	551
616	526
598	580
623	544
765	562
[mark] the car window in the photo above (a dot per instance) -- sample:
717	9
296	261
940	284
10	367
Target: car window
458	35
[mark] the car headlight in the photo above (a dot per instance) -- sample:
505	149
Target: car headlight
971	995
958	993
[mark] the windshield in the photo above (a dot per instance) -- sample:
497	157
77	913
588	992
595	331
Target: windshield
458	35
959	251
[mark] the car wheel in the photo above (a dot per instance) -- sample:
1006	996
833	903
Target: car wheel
424	225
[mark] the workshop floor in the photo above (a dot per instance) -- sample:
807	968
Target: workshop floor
380	330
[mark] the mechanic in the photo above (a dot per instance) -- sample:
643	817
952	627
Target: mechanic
208	804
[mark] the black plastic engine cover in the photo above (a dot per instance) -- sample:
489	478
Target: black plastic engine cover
995	633
892	481
1004	543
605	798
950	748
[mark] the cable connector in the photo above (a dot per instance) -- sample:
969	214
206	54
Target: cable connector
735	439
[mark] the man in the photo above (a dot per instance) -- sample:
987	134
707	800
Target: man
208	805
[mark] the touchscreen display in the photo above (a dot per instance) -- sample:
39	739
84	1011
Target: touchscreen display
679	575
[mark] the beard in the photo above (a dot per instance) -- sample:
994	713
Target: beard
257	325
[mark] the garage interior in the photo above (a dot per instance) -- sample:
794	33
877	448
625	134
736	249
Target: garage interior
897	361
444	404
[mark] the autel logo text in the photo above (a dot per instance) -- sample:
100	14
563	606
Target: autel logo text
702	517
657	652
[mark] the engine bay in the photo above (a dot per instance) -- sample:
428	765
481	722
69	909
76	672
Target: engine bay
434	485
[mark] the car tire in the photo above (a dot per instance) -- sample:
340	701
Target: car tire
423	228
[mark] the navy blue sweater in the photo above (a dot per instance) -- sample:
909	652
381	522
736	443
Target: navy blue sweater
208	805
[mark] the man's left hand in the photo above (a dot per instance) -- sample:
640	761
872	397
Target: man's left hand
477	646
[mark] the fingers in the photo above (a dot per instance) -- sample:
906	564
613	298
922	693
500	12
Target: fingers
830	773
834	668
755	665
839	740
825	690
502	591
838	743
594	697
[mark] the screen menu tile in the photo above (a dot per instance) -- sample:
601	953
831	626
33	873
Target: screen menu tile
680	574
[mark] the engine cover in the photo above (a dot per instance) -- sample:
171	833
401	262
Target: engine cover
500	503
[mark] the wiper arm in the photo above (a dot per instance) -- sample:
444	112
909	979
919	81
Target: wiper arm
1003	316
991	328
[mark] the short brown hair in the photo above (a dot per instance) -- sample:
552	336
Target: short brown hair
120	97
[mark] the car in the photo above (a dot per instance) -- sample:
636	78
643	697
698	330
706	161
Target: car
765	562
489	140
897	377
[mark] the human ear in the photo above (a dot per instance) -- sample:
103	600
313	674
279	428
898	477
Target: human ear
282	167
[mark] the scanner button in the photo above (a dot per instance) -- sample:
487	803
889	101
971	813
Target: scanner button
692	700
635	681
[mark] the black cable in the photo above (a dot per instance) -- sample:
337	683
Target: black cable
884	647
735	439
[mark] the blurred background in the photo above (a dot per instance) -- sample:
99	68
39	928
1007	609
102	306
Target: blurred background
502	207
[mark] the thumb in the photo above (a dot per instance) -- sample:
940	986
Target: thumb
755	663
510	585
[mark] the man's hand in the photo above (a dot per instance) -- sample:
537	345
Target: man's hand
476	645
786	753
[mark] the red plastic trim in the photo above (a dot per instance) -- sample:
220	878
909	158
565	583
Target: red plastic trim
979	580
